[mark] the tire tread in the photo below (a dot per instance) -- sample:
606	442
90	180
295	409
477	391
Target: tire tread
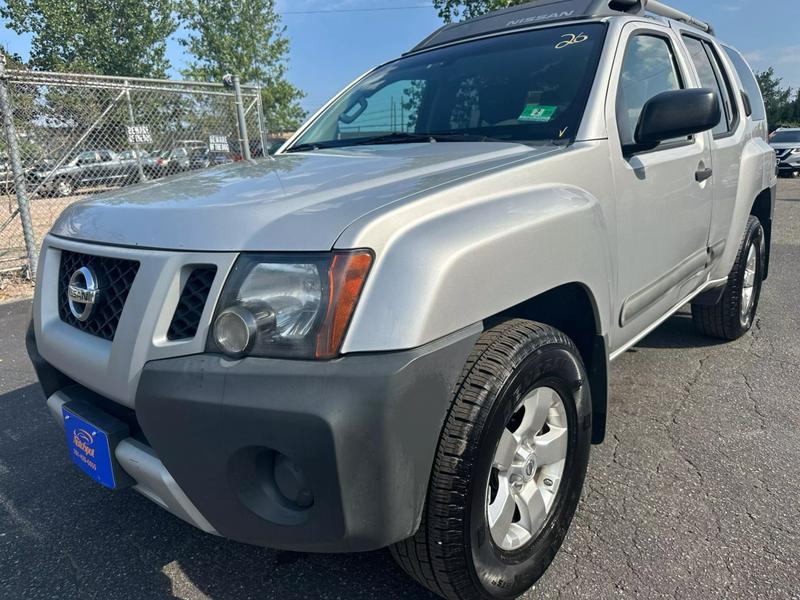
434	555
721	320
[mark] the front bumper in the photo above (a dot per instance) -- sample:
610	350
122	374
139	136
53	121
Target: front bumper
789	164
361	430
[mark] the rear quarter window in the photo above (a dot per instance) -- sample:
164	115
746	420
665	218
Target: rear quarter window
749	82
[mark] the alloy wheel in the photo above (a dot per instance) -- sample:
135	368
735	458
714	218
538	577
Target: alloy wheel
527	469
749	285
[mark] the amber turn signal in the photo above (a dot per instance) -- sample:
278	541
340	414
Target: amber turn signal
346	277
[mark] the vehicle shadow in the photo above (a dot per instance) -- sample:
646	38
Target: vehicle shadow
678	332
259	573
98	543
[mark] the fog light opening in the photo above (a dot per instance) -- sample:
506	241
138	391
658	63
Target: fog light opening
292	483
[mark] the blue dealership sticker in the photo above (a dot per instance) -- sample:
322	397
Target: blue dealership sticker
89	449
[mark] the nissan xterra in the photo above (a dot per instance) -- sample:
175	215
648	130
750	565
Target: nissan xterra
397	333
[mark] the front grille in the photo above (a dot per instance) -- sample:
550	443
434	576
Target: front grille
186	320
115	277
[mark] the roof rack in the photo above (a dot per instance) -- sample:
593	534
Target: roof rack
661	9
551	11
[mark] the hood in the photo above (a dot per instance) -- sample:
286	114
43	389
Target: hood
784	145
297	202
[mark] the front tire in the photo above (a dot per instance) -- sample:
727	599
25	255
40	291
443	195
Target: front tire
734	314
509	468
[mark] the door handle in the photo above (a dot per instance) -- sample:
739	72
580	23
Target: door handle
702	174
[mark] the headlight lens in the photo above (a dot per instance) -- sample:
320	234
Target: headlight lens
795	151
289	306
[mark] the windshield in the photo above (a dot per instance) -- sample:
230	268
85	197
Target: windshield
522	87
786	137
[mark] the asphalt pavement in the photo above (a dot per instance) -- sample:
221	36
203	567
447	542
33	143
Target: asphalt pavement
695	494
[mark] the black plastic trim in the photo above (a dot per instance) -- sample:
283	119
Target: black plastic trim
362	430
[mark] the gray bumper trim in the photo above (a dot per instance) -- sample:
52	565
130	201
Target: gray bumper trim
152	478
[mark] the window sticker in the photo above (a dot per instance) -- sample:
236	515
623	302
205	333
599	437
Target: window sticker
535	113
571	39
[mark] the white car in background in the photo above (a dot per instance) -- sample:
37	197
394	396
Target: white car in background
786	143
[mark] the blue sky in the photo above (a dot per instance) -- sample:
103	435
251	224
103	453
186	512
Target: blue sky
329	49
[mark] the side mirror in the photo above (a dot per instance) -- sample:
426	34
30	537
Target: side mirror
677	114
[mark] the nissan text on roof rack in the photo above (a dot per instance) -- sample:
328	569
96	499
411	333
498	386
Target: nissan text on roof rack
398	332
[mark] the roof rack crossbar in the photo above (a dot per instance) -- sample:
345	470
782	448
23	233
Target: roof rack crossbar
662	10
551	11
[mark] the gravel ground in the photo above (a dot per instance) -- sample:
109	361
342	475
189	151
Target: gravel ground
14	286
44	212
695	494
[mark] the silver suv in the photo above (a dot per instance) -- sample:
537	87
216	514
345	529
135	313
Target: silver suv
398	332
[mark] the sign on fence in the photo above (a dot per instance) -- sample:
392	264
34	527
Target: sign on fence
218	143
139	134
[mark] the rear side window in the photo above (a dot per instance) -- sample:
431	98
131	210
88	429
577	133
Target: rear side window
711	77
749	82
648	69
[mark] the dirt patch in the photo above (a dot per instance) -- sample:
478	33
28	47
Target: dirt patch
13	286
44	212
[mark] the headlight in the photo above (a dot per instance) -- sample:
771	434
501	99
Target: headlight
795	151
296	306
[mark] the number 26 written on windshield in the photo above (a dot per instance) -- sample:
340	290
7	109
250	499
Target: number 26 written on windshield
570	39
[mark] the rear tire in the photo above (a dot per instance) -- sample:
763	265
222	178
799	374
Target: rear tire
733	315
509	468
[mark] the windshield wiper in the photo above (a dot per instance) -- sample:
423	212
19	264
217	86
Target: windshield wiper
398	137
313	146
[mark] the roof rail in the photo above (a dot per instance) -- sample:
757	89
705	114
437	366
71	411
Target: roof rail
551	11
661	9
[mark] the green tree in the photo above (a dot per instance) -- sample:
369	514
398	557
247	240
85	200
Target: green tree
244	37
454	10
13	60
794	108
776	97
123	37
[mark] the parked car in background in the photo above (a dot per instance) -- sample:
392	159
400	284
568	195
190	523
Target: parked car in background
273	145
205	158
219	158
168	162
786	143
191	144
130	156
198	158
85	169
153	165
776	130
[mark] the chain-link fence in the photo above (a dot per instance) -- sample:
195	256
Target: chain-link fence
73	135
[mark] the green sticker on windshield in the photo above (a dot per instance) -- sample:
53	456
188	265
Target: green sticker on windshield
538	114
